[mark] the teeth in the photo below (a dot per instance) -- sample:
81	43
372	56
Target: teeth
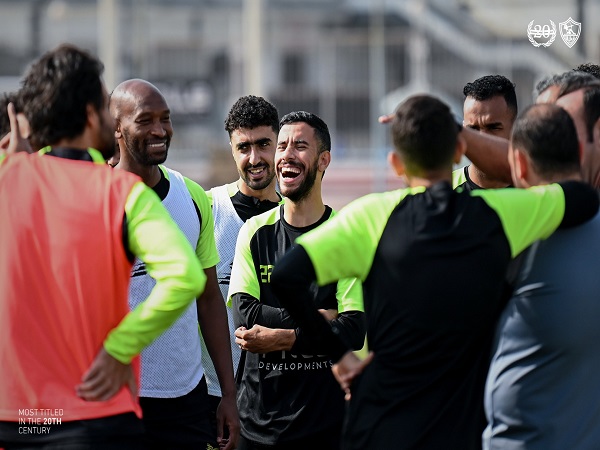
255	171
290	170
160	144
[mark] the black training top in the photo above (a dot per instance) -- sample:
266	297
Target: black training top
247	206
461	179
287	395
432	262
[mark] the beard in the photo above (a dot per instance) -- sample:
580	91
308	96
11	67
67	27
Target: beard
108	143
301	192
138	150
257	185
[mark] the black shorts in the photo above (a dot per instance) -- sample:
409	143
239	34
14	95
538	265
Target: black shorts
119	432
178	423
328	439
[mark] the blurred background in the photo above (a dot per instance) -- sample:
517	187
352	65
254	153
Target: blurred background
348	61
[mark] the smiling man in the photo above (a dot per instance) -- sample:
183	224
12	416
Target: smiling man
173	393
252	125
287	395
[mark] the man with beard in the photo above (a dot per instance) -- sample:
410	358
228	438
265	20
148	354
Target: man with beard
173	393
252	125
71	228
287	395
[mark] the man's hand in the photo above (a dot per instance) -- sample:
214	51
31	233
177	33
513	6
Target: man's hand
329	314
385	119
259	339
227	417
105	377
14	141
348	368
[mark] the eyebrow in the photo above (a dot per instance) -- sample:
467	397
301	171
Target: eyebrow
258	141
298	141
492	124
149	113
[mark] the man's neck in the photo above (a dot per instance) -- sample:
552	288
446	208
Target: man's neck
428	179
150	175
306	212
268	193
556	178
481	180
77	143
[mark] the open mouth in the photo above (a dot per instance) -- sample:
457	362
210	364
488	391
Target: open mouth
289	172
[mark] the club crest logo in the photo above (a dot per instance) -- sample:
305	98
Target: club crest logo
546	32
569	31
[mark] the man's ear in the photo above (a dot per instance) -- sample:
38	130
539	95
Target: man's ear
324	160
521	167
24	126
118	133
461	148
396	163
595	138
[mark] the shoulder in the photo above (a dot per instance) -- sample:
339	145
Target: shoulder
253	224
231	189
364	206
459	177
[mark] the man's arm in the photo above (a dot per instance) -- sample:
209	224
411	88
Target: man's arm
489	154
349	323
261	328
259	339
212	318
290	281
248	311
535	213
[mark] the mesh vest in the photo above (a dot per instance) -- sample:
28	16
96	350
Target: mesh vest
63	276
171	365
227	227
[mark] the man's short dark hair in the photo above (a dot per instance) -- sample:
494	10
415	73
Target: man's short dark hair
56	91
320	127
251	112
572	81
7	97
591	110
424	132
591	68
489	86
547	134
545	83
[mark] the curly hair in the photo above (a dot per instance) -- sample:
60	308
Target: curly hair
251	112
56	91
591	68
490	86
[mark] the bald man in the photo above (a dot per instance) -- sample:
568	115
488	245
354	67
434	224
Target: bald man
541	386
173	393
